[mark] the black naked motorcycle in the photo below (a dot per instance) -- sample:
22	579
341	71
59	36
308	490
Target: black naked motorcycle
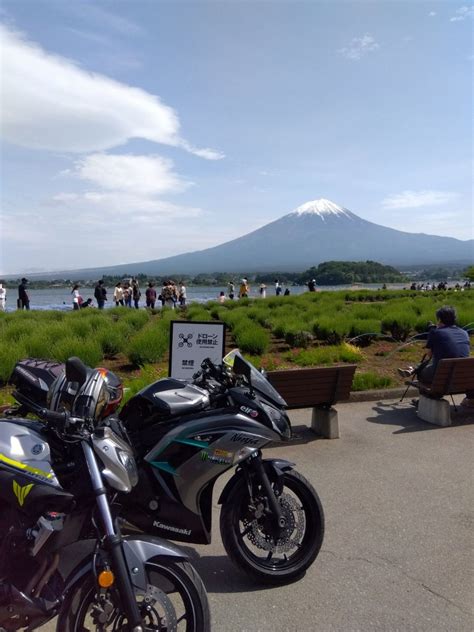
186	435
55	480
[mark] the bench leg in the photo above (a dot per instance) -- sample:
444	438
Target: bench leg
434	411
324	422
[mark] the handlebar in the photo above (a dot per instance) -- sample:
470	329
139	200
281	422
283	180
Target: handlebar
52	416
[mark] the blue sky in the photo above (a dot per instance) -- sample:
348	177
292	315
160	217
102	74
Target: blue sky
135	130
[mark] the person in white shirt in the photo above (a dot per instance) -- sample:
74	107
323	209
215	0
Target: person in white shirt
118	294
76	297
3	297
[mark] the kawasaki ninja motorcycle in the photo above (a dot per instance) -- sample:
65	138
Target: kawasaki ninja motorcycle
186	435
132	584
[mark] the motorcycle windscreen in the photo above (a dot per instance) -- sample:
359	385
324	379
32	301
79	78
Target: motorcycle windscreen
259	381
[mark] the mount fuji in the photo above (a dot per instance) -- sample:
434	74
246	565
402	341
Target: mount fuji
317	231
314	232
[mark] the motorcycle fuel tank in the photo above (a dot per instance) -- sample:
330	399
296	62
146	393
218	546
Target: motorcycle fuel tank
162	400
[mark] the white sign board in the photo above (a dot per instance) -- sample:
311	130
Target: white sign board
192	342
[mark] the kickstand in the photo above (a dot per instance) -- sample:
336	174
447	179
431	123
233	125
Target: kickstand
452	399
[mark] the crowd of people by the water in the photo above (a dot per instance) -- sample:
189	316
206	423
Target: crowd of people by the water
127	293
442	285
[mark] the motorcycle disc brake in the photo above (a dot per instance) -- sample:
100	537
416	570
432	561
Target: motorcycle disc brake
294	517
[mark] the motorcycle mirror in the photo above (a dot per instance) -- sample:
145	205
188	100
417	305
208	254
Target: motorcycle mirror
76	370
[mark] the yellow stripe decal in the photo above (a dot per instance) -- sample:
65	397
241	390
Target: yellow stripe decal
24	467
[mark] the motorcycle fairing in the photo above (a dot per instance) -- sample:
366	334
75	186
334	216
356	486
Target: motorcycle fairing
180	472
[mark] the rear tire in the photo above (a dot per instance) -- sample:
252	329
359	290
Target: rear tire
247	537
181	602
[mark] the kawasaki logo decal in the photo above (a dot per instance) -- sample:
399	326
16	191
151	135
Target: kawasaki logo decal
21	492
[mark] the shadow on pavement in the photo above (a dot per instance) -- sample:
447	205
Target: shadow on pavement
220	575
301	435
396	414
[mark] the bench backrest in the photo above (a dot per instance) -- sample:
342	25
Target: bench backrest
452	376
305	388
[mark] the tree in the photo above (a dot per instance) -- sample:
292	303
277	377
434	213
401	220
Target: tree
469	273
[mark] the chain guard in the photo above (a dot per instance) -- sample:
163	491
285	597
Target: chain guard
294	527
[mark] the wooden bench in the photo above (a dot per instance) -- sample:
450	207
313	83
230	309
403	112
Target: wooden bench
319	389
453	376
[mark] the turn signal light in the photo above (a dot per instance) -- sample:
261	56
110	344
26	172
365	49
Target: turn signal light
106	579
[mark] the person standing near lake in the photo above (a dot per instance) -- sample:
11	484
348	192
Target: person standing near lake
3	297
118	294
263	290
277	287
182	294
150	295
23	298
100	294
231	290
76	297
244	288
135	293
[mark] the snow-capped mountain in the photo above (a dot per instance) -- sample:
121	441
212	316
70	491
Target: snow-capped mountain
314	232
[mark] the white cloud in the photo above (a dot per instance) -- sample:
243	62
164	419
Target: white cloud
359	47
463	13
432	14
142	175
418	199
49	102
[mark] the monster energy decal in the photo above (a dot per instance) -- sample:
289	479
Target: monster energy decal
218	456
21	492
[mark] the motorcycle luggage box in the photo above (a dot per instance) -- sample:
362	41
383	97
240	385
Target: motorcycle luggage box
162	400
33	377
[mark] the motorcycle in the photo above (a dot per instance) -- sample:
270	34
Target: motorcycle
189	434
120	583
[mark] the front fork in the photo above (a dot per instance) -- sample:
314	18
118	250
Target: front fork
113	544
278	518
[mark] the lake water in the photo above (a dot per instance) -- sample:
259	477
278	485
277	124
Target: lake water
61	298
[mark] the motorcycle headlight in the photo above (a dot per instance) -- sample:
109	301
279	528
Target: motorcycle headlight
129	464
279	419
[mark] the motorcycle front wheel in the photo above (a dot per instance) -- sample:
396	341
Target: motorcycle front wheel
248	531
175	601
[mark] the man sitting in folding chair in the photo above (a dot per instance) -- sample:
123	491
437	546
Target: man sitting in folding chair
446	340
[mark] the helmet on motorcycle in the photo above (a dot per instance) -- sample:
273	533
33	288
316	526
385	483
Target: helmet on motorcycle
115	390
61	393
99	396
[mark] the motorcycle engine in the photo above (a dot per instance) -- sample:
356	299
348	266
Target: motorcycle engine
16	564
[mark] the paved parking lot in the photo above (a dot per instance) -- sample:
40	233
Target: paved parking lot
399	549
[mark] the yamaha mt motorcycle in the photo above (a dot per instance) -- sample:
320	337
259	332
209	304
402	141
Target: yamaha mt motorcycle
133	584
187	435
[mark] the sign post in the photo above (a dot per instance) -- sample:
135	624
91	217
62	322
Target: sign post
191	342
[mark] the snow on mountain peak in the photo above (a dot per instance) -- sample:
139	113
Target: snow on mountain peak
321	207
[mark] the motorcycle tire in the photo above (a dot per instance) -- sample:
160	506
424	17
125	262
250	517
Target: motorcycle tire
247	533
179	605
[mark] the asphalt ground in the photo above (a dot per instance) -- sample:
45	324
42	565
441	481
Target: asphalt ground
398	554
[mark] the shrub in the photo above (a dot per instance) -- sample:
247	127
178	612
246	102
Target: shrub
326	355
147	375
250	337
370	380
150	344
10	353
89	351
